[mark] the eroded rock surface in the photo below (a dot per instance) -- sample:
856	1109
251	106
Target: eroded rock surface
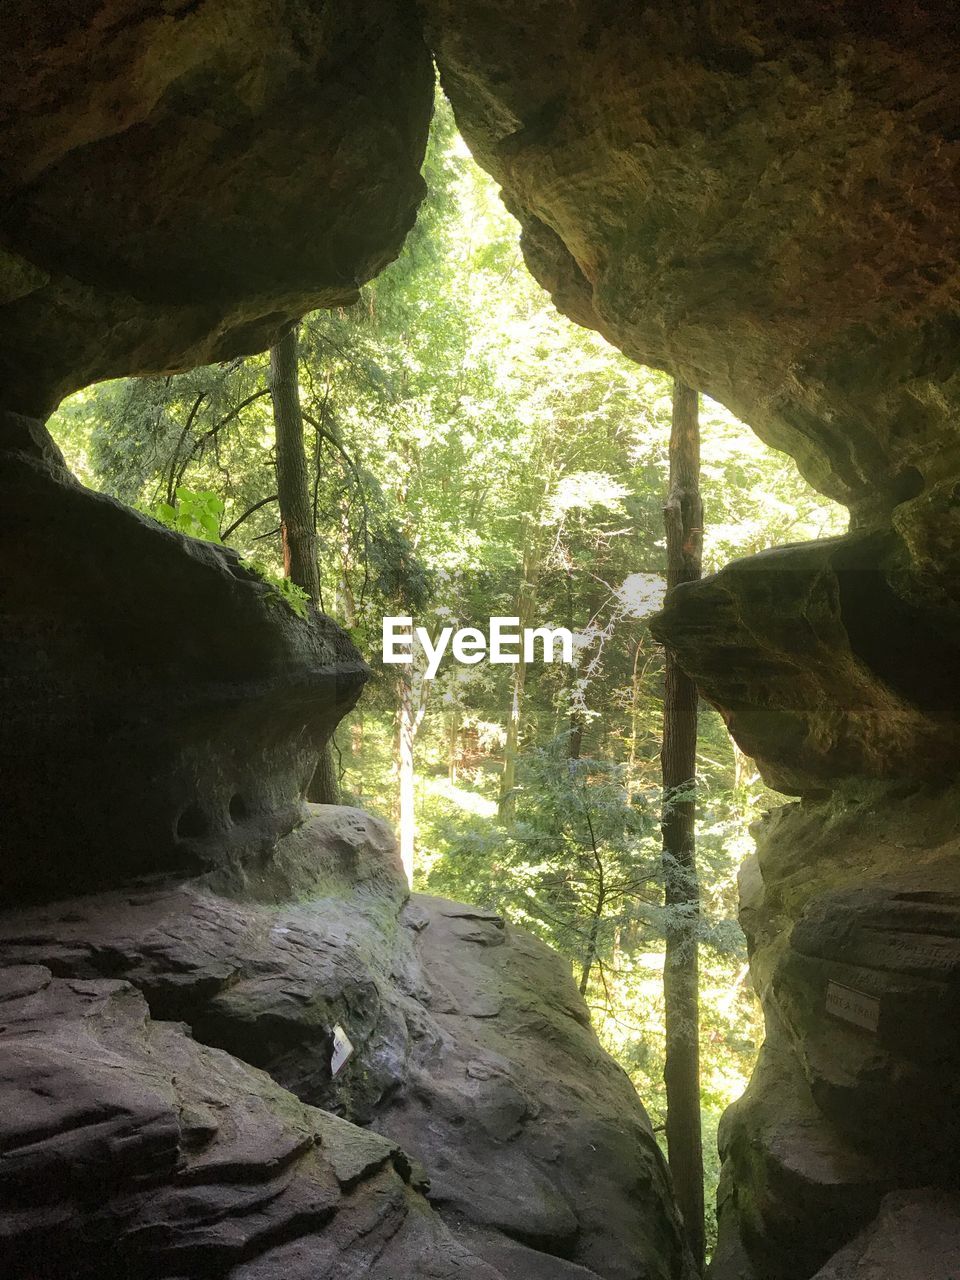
127	1149
822	671
181	180
852	912
760	197
915	1236
474	1053
162	708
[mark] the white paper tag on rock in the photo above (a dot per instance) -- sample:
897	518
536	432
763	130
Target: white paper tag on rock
853	1006
342	1051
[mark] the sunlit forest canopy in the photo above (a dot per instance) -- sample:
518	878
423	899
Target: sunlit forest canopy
471	453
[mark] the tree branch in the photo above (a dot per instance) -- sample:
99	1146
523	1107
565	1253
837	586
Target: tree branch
176	476
200	444
249	512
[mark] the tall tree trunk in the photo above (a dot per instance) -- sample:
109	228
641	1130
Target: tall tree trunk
453	739
297	529
406	733
683	517
526	600
634	723
574	719
590	954
511	747
293	488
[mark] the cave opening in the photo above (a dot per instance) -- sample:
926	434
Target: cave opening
317	962
469	452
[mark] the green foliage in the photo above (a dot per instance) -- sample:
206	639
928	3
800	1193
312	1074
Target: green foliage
198	515
282	590
576	863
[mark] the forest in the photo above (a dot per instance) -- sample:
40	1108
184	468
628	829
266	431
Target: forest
467	452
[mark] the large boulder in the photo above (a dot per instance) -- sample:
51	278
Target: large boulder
163	709
473	1049
915	1236
852	914
823	671
180	181
127	1149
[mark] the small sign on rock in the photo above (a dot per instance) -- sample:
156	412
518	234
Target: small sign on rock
342	1051
853	1006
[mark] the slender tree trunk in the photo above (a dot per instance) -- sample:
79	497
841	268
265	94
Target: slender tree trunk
634	723
406	732
293	489
413	695
453	740
526	600
739	767
346	599
593	938
297	529
683	517
511	747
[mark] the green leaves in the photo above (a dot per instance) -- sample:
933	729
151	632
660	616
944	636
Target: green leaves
283	591
198	515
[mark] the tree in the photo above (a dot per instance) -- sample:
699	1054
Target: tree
525	602
683	518
297	529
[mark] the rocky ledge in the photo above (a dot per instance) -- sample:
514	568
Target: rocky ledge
182	180
847	1137
163	709
167	1083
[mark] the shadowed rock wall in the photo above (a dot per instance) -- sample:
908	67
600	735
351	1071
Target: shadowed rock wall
762	198
179	181
163	709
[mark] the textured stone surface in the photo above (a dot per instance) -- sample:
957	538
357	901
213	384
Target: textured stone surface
162	709
760	197
916	1236
792	1191
127	1149
852	912
180	180
474	1052
820	668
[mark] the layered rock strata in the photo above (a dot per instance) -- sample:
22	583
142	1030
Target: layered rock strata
852	912
128	1149
504	1126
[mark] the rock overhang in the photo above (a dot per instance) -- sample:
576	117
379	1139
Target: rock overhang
180	183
